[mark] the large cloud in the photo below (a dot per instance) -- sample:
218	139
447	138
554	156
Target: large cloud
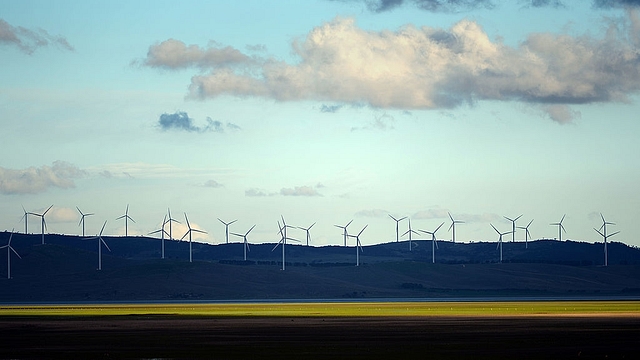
28	40
35	180
432	68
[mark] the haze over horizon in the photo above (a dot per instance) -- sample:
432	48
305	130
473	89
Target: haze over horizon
322	111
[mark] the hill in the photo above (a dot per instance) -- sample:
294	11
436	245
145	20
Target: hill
65	270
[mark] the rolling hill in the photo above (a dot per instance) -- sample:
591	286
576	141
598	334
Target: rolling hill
64	269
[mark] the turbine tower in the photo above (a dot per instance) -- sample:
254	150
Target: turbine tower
527	234
189	232
605	236
283	240
308	233
560	227
126	218
434	243
9	250
397	226
358	244
82	216
453	226
25	216
513	227
100	243
43	222
500	241
410	231
163	232
169	221
246	243
226	228
344	232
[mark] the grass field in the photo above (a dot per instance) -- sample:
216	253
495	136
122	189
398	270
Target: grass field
353	309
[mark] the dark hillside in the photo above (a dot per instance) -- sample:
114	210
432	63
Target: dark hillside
65	270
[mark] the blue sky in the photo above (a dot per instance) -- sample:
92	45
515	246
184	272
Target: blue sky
322	111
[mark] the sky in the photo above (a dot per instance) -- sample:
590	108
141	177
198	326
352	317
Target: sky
322	112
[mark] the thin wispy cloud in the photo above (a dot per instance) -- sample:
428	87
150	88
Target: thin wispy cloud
174	54
452	6
299	191
35	180
181	121
212	184
433	68
29	40
374	213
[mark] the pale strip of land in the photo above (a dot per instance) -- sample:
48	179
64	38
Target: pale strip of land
347	309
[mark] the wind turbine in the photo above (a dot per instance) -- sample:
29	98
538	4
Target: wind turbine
100	243
500	241
410	231
162	231
126	218
82	215
358	244
513	227
397	223
307	230
26	214
170	220
527	234
44	223
345	233
453	226
246	244
190	231
283	240
226	228
605	236
560	227
9	250
434	243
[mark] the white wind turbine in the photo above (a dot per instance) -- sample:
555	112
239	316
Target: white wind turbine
410	231
500	241
434	243
513	227
397	226
126	218
82	216
191	230
169	221
9	250
605	237
226	228
560	227
453	226
100	243
358	244
163	232
307	231
527	234
25	217
43	222
245	246
283	241
345	233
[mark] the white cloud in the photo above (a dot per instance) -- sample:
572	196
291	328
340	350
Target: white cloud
430	68
175	54
376	213
299	191
36	180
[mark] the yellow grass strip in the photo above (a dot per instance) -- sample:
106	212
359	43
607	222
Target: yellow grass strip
319	309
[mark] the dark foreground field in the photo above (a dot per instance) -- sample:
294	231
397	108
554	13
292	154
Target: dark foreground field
160	336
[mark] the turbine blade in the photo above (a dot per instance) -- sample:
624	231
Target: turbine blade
250	230
15	252
518	217
105	244
348	223
438	228
494	228
361	231
46	211
103	225
617	232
